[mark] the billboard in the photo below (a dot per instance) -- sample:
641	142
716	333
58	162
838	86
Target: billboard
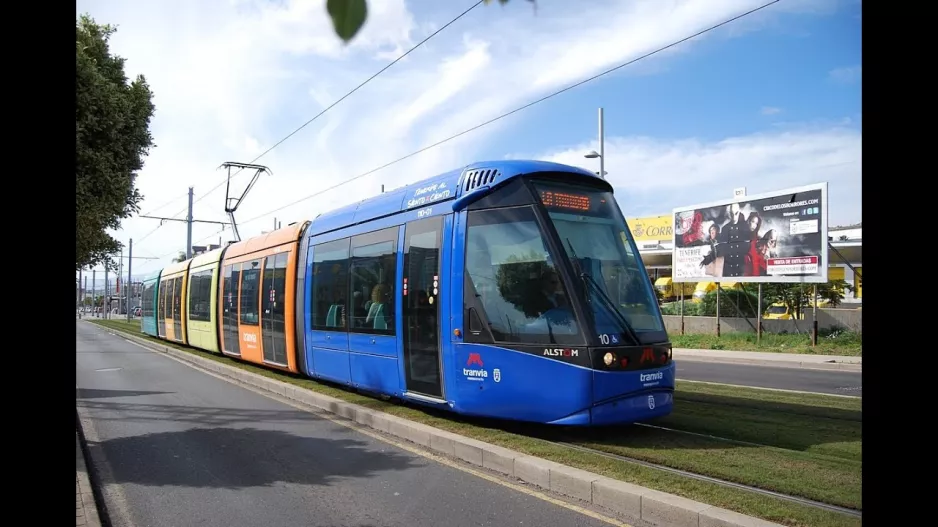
652	229
776	237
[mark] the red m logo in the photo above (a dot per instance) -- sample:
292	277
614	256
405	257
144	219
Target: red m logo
474	358
647	355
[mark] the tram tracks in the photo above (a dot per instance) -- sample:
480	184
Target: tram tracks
570	443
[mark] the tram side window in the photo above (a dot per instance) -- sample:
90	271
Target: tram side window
150	306
200	296
177	297
373	270
194	280
147	300
329	286
225	277
166	309
250	299
515	281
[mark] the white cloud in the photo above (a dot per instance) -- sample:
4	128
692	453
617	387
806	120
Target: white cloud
846	75
653	176
770	110
233	77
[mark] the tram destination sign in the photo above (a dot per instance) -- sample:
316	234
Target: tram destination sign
776	237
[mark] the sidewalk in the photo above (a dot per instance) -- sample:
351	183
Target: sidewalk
86	512
778	360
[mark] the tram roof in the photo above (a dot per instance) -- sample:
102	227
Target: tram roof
441	188
283	235
152	275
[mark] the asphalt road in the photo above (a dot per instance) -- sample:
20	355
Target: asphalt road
174	446
800	379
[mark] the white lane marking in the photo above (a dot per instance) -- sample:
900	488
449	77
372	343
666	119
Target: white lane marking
772	389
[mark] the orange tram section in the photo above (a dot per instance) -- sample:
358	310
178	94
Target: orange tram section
237	300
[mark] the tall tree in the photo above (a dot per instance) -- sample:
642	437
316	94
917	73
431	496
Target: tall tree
112	121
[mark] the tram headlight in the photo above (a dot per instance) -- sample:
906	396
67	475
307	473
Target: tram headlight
609	358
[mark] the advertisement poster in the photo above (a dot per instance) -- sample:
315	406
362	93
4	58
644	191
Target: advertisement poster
774	237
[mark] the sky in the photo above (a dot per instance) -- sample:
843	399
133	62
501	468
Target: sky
770	101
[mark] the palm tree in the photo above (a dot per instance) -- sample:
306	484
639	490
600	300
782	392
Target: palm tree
180	258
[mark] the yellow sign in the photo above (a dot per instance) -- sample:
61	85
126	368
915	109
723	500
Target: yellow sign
652	228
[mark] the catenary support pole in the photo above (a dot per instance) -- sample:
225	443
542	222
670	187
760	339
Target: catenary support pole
188	230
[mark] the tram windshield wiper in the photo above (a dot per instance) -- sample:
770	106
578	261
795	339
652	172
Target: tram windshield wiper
590	282
611	306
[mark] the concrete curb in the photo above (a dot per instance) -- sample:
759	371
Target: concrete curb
86	508
653	506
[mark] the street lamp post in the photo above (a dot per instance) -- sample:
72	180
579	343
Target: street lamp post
602	148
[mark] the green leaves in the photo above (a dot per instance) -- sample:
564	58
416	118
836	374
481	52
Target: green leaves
348	16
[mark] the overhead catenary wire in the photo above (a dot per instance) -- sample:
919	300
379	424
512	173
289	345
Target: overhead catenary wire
174	251
355	89
502	116
152	211
304	125
516	110
147	235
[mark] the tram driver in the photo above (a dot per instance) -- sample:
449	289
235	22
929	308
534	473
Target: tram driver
552	295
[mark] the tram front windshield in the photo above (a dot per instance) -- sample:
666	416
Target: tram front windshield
603	255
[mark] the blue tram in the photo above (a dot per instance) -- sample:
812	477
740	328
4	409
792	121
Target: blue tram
505	289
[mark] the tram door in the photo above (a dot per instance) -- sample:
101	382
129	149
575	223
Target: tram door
273	322
421	295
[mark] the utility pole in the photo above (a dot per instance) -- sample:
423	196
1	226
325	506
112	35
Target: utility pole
94	289
107	285
602	146
84	295
79	293
128	285
189	228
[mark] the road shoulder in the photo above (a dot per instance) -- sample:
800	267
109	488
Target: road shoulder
614	495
